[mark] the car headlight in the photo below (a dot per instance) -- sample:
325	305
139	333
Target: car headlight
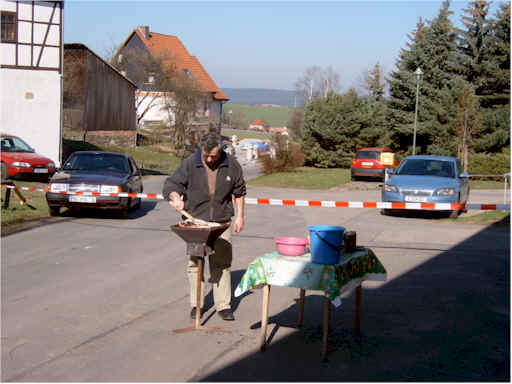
110	189
21	164
446	192
50	165
390	188
58	187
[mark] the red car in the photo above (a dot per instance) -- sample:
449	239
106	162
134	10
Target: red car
372	162
19	159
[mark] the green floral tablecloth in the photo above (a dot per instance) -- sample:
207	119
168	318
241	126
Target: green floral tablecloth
298	271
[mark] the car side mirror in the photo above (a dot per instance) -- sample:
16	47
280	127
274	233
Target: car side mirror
464	175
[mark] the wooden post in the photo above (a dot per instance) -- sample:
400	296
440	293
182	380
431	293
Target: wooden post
264	316
7	198
200	264
325	337
357	325
20	197
301	307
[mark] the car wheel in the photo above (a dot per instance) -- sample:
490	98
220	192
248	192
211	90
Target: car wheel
54	211
137	204
124	212
454	214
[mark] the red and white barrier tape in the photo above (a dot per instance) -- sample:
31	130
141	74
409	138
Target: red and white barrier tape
121	194
305	203
375	204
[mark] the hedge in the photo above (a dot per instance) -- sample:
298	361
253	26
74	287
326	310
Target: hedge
489	163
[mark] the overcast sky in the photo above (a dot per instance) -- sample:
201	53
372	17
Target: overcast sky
262	44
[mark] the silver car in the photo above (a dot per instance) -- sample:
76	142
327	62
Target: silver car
427	179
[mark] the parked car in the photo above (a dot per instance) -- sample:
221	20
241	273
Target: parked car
100	172
427	179
21	160
372	162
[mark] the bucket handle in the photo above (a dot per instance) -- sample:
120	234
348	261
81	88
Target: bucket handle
337	248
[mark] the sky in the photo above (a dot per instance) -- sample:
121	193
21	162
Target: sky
263	44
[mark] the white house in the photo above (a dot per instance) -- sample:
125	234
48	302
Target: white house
31	53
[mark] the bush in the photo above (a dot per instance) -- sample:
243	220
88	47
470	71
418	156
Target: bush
489	164
288	157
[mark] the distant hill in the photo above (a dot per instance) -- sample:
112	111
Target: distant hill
260	96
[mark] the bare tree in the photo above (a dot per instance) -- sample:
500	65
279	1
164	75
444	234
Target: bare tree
163	85
183	103
330	81
146	72
467	122
316	82
307	84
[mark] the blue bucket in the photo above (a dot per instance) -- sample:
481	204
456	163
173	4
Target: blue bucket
326	243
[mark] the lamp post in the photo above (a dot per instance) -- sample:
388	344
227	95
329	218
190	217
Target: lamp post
230	112
418	74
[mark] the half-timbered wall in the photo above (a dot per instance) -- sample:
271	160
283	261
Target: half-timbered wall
30	73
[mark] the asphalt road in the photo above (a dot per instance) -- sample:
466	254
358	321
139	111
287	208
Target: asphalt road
95	299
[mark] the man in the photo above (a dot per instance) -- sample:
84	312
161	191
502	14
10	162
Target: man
204	185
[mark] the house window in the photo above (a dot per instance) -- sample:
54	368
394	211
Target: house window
9	27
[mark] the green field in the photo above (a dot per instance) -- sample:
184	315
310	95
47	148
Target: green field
274	116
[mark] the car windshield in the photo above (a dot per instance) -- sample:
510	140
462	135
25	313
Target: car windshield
97	163
368	155
425	167
14	144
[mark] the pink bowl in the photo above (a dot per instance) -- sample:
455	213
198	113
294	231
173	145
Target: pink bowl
291	246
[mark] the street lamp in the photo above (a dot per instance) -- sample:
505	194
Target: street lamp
418	74
230	112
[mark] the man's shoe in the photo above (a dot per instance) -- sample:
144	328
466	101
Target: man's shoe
227	315
193	313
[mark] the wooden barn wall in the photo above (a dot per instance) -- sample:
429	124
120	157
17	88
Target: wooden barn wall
110	100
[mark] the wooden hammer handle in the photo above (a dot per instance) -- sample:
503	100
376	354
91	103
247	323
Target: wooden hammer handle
187	215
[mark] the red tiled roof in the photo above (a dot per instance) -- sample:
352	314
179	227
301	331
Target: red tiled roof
162	45
258	122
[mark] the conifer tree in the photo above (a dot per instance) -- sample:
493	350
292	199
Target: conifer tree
433	49
374	84
485	48
402	87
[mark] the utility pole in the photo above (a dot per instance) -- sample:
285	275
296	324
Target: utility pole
418	73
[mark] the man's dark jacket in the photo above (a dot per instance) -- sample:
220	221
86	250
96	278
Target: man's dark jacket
191	181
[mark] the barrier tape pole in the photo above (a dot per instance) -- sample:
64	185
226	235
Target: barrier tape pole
305	203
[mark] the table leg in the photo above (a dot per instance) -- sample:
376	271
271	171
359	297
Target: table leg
301	307
264	316
357	325
325	337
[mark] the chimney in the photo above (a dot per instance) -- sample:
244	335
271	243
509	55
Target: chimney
145	31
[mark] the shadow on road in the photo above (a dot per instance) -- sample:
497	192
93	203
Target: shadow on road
145	207
445	320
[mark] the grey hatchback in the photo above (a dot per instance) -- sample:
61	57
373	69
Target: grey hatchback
427	179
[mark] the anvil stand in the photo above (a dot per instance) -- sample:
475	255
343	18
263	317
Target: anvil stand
201	237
